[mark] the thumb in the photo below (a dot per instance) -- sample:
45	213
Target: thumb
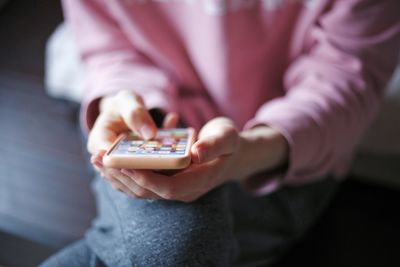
101	137
222	140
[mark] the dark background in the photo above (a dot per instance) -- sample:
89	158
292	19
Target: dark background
45	197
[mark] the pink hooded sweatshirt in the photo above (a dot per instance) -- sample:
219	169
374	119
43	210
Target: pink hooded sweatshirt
313	69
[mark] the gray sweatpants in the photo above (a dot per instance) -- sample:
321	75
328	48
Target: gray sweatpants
226	227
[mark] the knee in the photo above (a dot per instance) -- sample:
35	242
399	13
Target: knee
77	254
179	234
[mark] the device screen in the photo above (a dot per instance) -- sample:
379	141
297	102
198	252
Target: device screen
171	142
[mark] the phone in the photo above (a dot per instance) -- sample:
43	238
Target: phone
169	150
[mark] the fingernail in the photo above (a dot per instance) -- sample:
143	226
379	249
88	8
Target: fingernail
146	131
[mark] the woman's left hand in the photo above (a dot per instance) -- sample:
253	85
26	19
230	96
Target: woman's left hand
213	156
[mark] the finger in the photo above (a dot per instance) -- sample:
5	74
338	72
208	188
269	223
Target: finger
111	175
215	127
161	185
101	136
133	187
171	120
222	139
117	185
212	147
97	160
136	116
108	174
98	157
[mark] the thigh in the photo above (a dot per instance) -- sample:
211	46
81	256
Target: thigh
135	232
77	254
265	227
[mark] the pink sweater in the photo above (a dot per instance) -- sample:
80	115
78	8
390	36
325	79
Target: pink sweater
313	69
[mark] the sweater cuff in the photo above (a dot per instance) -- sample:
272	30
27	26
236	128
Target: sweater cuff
302	139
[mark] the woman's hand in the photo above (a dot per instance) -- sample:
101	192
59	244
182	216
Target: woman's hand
219	155
211	154
120	113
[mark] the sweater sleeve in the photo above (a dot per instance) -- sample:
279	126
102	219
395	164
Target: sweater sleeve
112	61
333	88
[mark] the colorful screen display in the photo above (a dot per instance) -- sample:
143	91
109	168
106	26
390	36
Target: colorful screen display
171	142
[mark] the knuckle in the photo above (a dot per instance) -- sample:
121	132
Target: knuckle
138	98
126	94
230	130
115	186
124	180
170	194
221	121
230	135
141	192
142	181
136	112
122	94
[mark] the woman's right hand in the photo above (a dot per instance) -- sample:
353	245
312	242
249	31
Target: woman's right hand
124	111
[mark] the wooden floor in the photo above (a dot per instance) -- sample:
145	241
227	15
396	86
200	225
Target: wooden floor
45	197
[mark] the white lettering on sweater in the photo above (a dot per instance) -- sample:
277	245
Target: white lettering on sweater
220	7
